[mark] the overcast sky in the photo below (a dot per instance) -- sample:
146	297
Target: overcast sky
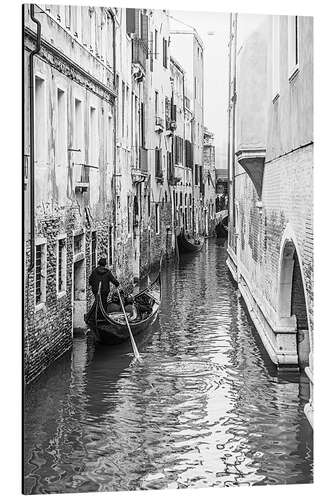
213	28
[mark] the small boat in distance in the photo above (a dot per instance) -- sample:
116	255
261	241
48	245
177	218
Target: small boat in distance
189	245
112	328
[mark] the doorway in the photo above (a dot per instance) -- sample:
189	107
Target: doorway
79	295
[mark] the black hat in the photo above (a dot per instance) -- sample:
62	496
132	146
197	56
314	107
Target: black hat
102	261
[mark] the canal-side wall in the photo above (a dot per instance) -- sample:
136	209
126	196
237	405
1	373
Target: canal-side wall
270	252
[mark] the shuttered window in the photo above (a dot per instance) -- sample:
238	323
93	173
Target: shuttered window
165	53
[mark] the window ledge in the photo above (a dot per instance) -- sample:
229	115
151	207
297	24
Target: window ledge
40	307
61	294
294	73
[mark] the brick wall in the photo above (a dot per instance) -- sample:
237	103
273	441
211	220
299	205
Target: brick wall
48	331
287	200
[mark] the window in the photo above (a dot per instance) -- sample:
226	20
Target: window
165	53
127	111
151	51
128	214
196	175
156	103
78	130
109	141
61	129
157	218
93	249
92	29
142	125
40	274
293	45
40	120
77	21
148	201
179	150
61	265
123	109
110	246
158	163
195	87
93	142
156	41
275	56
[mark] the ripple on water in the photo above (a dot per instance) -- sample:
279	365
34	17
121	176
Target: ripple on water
204	408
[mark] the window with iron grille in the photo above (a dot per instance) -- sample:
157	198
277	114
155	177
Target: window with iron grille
40	274
93	249
61	267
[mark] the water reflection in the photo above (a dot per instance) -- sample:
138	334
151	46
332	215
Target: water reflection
204	408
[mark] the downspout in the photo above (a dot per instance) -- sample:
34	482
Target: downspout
229	116
32	137
234	126
114	130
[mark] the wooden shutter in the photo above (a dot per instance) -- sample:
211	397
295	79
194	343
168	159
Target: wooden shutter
144	31
132	21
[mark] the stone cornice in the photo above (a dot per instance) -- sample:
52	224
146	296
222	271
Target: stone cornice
58	60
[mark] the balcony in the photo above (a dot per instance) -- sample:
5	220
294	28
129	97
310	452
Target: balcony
253	162
139	56
159	124
82	182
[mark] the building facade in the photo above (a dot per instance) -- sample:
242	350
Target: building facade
188	49
69	167
270	246
109	136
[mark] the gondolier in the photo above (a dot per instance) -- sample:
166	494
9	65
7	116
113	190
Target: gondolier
101	274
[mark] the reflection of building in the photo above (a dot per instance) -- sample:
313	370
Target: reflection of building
270	164
209	180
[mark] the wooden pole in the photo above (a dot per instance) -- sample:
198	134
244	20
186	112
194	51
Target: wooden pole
135	349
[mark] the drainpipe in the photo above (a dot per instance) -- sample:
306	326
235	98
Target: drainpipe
32	137
115	116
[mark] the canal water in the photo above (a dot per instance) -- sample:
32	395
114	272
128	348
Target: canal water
204	408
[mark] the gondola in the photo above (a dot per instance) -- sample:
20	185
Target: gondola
112	328
187	246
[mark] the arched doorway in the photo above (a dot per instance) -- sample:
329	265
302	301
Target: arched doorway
292	301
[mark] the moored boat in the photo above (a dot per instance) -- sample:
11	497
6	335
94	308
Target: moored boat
111	328
186	245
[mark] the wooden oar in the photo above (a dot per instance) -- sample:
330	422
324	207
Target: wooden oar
135	349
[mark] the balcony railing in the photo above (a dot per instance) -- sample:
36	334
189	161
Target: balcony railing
139	52
159	123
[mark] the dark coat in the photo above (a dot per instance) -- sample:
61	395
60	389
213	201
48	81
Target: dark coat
102	274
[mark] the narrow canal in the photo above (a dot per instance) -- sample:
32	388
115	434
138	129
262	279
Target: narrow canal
205	408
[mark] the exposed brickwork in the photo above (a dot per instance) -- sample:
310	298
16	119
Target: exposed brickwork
287	200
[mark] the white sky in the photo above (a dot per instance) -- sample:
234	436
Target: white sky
216	65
